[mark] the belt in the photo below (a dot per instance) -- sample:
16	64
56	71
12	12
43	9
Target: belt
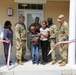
52	38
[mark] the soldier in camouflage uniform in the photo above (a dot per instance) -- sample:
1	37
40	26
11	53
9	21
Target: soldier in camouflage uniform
36	24
63	36
52	37
20	33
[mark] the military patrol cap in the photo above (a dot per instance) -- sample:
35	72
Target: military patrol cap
37	18
50	19
60	17
21	16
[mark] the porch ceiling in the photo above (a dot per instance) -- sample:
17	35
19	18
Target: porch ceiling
58	0
36	1
31	1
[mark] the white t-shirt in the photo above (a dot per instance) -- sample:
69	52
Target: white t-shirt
43	31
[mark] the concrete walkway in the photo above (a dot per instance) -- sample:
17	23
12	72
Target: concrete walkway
33	69
29	69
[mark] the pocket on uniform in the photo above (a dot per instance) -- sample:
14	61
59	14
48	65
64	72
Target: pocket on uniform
18	47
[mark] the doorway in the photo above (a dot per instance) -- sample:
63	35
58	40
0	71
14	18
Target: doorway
29	19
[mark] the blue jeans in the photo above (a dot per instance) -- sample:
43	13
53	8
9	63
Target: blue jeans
35	53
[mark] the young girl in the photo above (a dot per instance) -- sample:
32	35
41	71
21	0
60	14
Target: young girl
44	34
34	45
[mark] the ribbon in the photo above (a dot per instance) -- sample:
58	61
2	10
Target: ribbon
9	51
3	41
61	42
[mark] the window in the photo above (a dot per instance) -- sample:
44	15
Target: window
31	6
40	6
27	7
20	6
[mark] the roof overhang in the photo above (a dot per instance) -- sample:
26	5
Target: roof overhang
31	1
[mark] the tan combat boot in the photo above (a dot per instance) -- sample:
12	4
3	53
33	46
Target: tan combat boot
19	62
53	61
60	61
63	63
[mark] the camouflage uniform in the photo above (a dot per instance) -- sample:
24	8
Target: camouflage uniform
37	25
52	39
63	30
63	36
20	33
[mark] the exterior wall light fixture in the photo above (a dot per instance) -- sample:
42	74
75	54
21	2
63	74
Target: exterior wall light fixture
10	12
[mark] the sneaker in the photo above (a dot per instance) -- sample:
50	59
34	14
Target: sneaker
38	63
10	63
44	63
33	62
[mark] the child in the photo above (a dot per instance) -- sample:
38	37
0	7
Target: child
34	45
44	34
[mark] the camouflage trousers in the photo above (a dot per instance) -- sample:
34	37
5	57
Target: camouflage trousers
20	50
52	43
63	50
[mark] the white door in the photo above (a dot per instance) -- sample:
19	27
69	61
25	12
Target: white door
30	18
